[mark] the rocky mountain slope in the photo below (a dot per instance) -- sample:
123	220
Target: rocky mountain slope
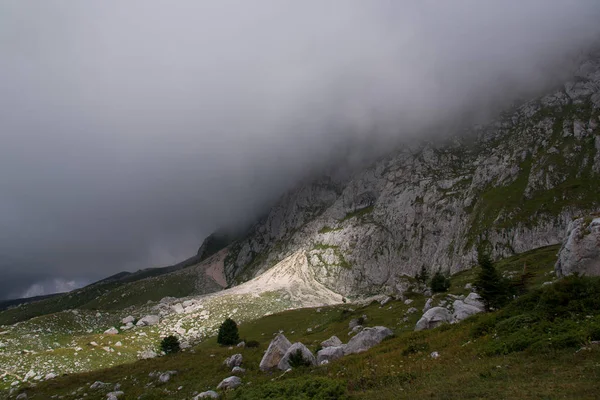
511	185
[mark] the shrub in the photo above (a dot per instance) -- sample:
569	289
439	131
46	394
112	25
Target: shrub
440	283
228	333
170	345
493	288
252	344
297	360
423	275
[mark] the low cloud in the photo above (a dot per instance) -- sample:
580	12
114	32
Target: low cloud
131	130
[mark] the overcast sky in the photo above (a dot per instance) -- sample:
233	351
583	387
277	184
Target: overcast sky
132	129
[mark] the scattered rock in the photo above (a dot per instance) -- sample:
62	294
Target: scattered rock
164	377
22	396
434	354
114	395
275	352
234	361
331	342
428	305
411	310
355	330
241	344
408	301
146	354
366	339
178	308
230	383
469	286
210	394
385	301
284	364
148	320
128	320
99	385
329	354
433	318
463	310
238	370
111	331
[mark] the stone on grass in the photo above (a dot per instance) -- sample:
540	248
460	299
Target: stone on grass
238	370
433	318
148	320
111	331
128	320
234	361
308	356
210	394
275	352
329	354
331	342
230	383
463	310
114	395
366	339
99	385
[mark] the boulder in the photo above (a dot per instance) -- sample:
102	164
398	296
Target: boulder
234	361
275	352
178	308
114	395
385	301
146	354
99	385
128	320
353	323
210	394
229	383
111	331
463	310
148	320
331	342
22	396
164	377
284	364
329	354
238	370
580	251
428	305
241	344
366	339
475	300
433	318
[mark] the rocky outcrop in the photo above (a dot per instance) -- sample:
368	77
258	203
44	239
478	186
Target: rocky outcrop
366	339
580	251
275	352
463	310
307	355
433	318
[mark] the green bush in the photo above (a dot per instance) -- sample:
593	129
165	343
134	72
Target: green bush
297	360
440	283
302	388
170	345
228	333
423	275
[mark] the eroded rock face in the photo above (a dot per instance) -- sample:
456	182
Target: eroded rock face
366	339
580	251
433	318
275	352
308	356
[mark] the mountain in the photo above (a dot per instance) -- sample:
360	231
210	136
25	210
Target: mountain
514	187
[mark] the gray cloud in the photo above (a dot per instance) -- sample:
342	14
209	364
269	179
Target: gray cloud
130	130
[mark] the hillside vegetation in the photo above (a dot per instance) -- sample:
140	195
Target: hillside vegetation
541	345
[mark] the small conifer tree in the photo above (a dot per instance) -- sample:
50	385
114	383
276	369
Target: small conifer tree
228	333
170	345
423	275
494	289
440	283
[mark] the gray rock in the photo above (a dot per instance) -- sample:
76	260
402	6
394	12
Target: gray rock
114	395
385	301
148	320
308	356
210	394
234	361
428	305
238	370
275	352
99	385
128	320
366	339
329	354
229	383
475	300
164	377
241	344
433	318
146	354
178	308
353	323
331	342
580	251
111	331
463	310
22	396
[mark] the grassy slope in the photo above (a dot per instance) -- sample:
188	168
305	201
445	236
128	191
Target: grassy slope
398	368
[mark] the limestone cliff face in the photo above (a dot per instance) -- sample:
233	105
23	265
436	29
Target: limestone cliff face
512	186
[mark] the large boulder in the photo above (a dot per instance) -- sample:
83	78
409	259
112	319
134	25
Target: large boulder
331	342
366	339
433	318
275	352
149	320
308	356
330	354
230	383
475	300
210	394
463	310
580	251
234	361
